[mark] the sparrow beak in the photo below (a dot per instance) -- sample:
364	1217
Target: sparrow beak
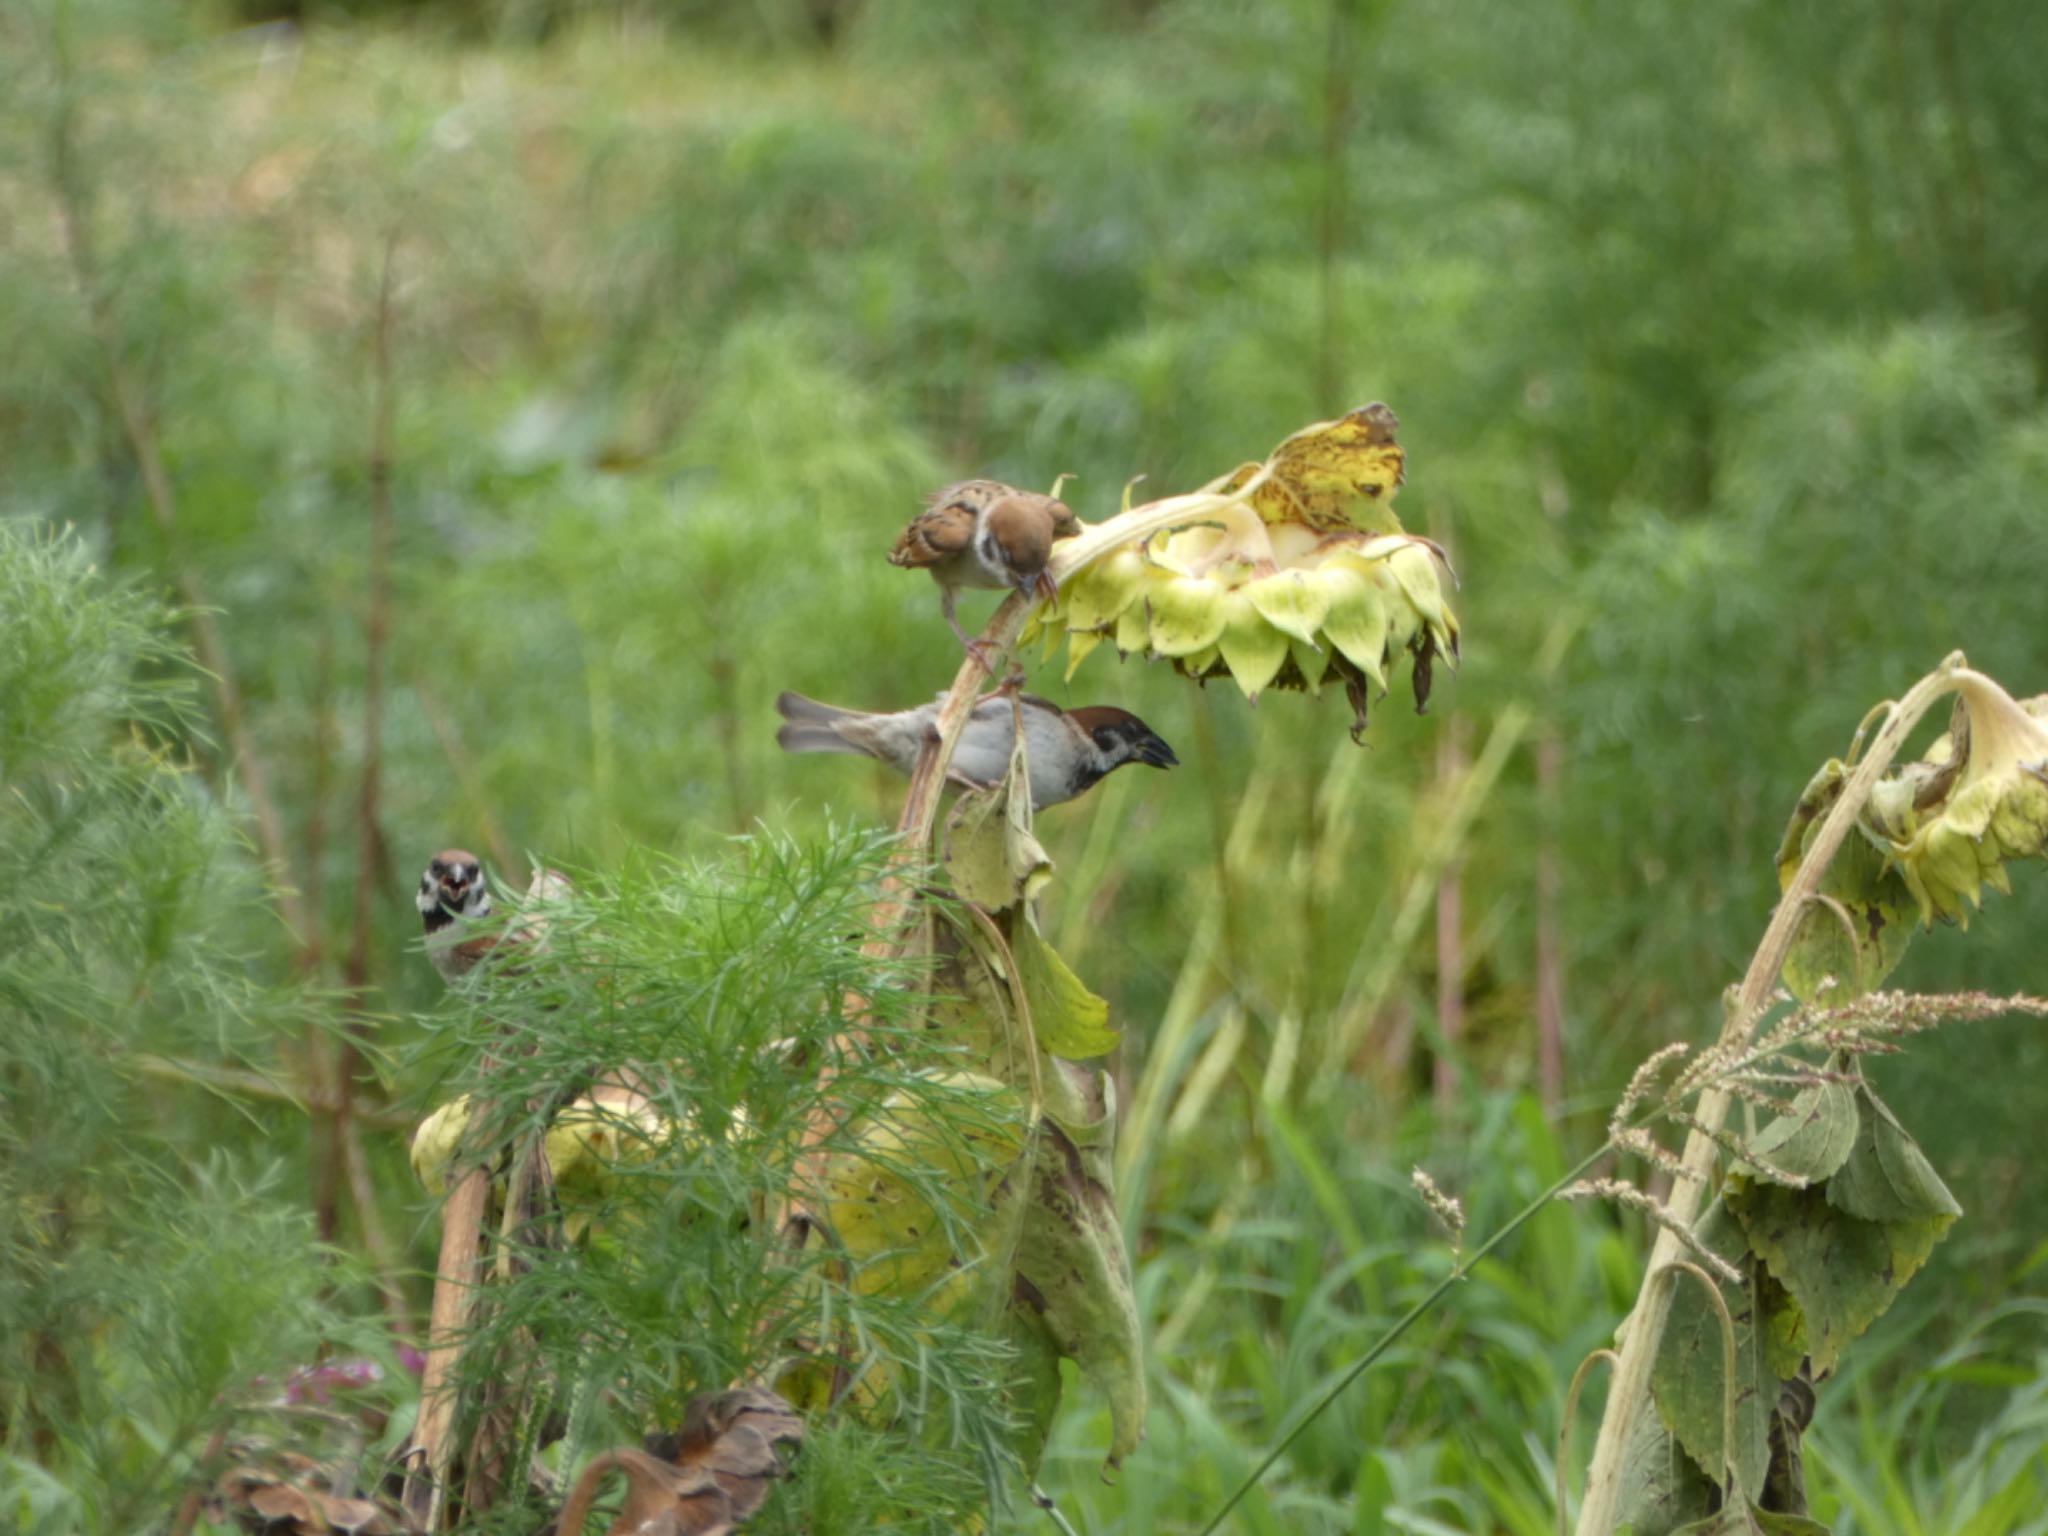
1155	753
454	890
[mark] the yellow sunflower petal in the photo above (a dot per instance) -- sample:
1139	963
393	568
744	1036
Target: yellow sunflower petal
1293	602
1079	644
1133	628
1254	650
1094	597
1415	568
1187	614
1312	662
1357	623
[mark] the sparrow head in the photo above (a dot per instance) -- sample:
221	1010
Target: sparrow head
1015	539
452	887
1122	737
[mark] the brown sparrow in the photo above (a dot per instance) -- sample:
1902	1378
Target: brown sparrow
452	892
1069	750
982	533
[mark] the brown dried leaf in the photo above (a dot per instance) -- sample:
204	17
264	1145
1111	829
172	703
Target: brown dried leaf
281	1504
737	1437
703	1480
265	1500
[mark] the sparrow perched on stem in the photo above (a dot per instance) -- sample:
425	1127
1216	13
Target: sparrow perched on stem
1069	750
982	533
453	891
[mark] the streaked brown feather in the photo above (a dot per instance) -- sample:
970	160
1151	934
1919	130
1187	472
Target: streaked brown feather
971	494
936	536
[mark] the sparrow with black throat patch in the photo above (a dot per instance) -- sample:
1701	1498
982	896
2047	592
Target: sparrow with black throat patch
988	535
1069	750
453	893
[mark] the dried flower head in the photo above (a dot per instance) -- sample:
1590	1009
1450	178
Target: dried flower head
1628	1195
1978	798
1283	574
1447	1208
1640	1084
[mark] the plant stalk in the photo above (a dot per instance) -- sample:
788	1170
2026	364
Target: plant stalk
456	1278
1630	1393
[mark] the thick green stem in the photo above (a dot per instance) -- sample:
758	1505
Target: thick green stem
1631	1392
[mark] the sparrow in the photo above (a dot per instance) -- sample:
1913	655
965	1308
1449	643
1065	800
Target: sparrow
982	533
452	892
1070	750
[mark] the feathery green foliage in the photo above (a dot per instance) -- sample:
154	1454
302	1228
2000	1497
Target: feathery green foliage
716	989
153	1270
1718	340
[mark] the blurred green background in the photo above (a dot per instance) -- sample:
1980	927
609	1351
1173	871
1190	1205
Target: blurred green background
1718	338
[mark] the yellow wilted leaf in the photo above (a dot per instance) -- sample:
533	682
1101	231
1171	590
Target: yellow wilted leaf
1252	648
970	1132
1187	616
435	1142
1103	590
1336	474
1357	625
1071	1021
1293	602
1078	646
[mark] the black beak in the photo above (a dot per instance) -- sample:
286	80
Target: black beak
1150	750
452	894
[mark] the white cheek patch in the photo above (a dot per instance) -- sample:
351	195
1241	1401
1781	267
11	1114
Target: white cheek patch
988	553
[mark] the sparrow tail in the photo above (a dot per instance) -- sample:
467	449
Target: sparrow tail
809	726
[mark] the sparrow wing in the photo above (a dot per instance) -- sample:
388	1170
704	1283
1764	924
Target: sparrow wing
971	494
939	535
454	961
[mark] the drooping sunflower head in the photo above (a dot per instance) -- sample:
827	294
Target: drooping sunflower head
1289	574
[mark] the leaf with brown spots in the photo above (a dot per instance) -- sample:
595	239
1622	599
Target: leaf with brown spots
1334	476
1856	928
1690	1381
1073	1273
1661	1486
1886	1176
1843	1271
1812	1139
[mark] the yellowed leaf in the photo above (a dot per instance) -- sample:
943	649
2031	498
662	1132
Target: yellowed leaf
1336	474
